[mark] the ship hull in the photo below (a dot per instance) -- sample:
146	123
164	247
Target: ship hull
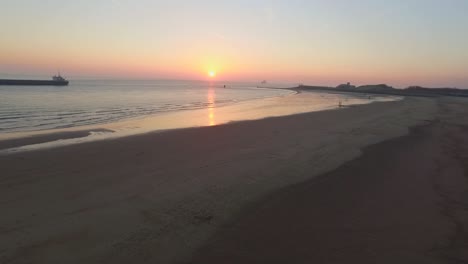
33	82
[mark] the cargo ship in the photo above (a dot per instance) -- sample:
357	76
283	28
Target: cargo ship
57	80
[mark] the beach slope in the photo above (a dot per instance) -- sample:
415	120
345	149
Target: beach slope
157	197
403	201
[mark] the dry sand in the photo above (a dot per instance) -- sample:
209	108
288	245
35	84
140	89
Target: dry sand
403	201
155	198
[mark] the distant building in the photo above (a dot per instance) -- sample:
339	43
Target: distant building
346	86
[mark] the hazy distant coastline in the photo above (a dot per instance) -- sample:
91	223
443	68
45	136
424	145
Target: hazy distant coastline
389	90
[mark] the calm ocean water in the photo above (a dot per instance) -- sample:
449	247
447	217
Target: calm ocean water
33	108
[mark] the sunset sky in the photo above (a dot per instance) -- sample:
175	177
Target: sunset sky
400	42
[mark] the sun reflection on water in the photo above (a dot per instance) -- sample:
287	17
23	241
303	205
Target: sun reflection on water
211	106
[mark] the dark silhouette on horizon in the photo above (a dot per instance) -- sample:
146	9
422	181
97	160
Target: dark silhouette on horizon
389	90
57	80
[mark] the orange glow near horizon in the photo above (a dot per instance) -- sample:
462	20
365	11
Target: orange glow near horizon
198	67
216	63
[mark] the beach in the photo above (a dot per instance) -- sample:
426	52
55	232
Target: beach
403	201
199	195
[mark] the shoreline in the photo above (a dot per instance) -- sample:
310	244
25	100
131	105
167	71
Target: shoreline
43	139
157	197
48	137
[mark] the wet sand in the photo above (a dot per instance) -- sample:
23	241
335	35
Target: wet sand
156	198
42	138
403	201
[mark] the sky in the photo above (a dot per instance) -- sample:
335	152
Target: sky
322	42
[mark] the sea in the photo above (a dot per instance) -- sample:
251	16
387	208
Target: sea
136	106
33	108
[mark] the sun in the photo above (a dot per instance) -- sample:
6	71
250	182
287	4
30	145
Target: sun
212	74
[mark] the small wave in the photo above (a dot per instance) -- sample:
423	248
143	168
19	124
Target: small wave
73	113
11	117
